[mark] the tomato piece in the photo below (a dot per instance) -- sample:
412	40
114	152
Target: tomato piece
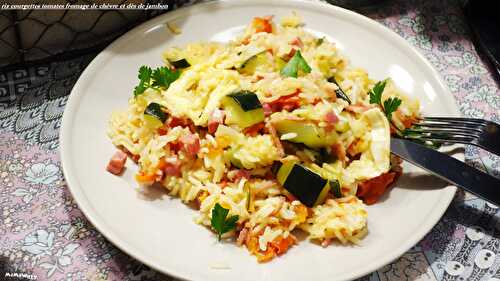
191	144
262	25
268	255
144	178
288	102
281	245
254	129
371	190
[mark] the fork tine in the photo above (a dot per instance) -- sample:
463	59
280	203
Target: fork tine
454	126
464	140
445	132
457	120
478	132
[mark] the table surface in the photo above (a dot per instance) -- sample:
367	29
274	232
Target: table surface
43	233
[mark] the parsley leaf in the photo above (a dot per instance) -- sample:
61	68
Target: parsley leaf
296	63
219	221
391	105
144	80
376	92
163	77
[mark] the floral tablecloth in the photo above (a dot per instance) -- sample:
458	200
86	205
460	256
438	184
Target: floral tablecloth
44	236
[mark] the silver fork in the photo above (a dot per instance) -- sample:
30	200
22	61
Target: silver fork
478	132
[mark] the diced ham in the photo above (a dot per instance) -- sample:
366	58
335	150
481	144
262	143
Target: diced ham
172	169
132	156
297	42
354	148
267	109
175	146
245	41
182	122
223	183
293	118
288	102
290	54
326	242
339	151
275	138
241	174
216	118
242	236
257	78
358	108
316	101
254	129
331	117
191	144
117	162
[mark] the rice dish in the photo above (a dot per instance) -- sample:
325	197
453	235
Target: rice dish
275	130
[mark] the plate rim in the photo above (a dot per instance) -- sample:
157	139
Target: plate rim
76	94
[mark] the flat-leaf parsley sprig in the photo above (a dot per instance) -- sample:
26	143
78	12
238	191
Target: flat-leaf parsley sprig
159	78
390	105
220	222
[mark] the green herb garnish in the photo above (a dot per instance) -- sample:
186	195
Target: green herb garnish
144	80
296	63
390	105
219	221
163	77
160	78
376	92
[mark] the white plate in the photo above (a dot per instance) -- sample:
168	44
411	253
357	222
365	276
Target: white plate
161	233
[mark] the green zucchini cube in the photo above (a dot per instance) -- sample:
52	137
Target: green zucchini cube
243	109
309	188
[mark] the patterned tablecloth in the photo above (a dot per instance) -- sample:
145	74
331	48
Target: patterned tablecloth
44	235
